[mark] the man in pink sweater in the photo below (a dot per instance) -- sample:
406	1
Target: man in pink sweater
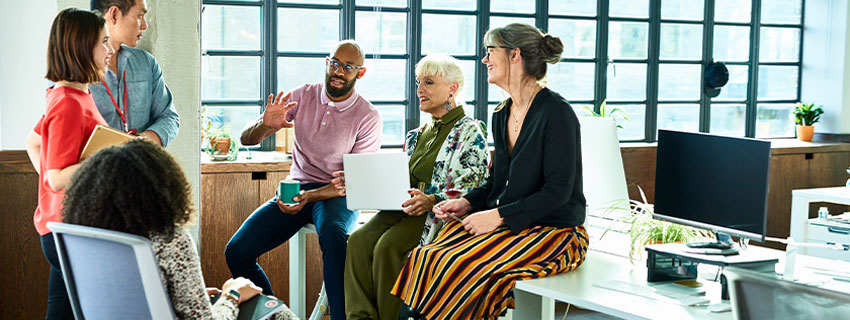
330	119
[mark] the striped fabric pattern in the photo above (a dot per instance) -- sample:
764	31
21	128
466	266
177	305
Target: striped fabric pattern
461	276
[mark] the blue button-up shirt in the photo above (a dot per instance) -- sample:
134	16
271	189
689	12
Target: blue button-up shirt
150	104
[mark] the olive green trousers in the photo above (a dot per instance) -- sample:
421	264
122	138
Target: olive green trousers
376	253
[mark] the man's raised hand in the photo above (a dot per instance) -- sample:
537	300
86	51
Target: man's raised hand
276	109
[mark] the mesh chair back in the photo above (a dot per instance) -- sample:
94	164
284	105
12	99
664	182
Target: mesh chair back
110	274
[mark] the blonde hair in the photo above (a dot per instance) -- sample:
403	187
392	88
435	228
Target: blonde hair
442	65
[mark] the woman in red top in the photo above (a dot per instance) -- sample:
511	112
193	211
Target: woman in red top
77	54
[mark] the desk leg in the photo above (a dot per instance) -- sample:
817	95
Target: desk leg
532	306
298	274
799	219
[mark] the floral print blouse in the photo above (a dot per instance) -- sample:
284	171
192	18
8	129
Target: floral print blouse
460	166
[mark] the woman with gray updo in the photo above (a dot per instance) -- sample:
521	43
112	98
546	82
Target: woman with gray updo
526	221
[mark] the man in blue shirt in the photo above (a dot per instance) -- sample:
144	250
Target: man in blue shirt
132	95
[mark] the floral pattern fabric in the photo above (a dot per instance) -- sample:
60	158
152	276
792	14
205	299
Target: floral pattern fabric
461	165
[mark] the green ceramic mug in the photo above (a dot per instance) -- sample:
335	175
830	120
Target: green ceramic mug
289	189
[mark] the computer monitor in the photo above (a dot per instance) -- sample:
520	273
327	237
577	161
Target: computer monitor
713	182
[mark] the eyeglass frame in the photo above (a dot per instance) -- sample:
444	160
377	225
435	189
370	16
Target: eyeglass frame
334	65
487	50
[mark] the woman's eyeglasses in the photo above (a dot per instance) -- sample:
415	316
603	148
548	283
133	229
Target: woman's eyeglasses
334	65
487	50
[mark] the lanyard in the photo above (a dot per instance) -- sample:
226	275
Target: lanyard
122	114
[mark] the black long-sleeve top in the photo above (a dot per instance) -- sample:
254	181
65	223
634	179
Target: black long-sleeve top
540	182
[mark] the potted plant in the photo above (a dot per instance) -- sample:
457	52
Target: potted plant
209	118
222	146
806	115
604	112
645	230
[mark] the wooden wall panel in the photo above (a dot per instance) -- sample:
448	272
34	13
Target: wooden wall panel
276	262
278	259
787	172
639	165
23	294
228	199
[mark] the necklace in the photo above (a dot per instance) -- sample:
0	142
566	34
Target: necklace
515	115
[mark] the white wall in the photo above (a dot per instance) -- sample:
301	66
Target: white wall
826	63
25	26
173	37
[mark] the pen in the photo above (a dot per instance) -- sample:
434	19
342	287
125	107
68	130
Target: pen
454	217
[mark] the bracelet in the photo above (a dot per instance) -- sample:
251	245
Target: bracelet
230	297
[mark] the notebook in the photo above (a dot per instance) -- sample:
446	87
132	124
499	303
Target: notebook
102	137
260	307
376	181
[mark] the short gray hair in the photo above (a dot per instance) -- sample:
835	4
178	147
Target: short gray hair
442	65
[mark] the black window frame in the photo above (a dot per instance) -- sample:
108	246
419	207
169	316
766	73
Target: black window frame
541	16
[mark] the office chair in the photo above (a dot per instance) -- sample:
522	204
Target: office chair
756	295
110	274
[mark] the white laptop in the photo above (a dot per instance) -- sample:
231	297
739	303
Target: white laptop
376	181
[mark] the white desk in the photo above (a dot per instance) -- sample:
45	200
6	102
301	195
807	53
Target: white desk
535	299
803	231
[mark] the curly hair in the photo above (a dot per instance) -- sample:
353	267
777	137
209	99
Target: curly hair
136	187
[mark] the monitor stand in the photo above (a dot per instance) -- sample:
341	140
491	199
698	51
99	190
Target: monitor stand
722	246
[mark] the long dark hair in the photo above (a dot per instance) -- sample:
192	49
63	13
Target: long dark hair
136	187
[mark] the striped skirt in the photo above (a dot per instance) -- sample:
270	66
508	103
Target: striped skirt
461	276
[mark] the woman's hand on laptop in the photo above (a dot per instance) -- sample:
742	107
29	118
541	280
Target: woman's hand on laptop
339	182
455	207
419	203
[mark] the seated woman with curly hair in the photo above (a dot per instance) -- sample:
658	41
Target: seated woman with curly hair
138	188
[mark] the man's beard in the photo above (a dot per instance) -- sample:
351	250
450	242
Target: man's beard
338	92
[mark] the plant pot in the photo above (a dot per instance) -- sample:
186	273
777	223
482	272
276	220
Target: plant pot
805	133
220	146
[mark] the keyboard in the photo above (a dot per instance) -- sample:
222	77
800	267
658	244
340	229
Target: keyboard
652	293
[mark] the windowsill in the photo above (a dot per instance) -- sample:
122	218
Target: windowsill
259	161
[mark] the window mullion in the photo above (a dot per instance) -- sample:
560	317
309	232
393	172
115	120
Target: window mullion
752	90
800	55
482	99
268	69
414	50
542	15
346	20
600	87
652	70
707	57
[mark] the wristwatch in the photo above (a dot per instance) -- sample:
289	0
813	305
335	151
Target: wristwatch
233	295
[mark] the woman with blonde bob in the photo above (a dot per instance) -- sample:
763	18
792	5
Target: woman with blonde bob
448	157
526	220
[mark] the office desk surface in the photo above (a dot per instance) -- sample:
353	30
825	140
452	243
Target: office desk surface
577	288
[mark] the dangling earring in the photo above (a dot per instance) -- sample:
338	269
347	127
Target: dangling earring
448	104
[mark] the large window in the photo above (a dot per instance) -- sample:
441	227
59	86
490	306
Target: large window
646	57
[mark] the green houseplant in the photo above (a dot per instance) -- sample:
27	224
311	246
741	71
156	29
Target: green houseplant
645	230
221	144
805	116
604	112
